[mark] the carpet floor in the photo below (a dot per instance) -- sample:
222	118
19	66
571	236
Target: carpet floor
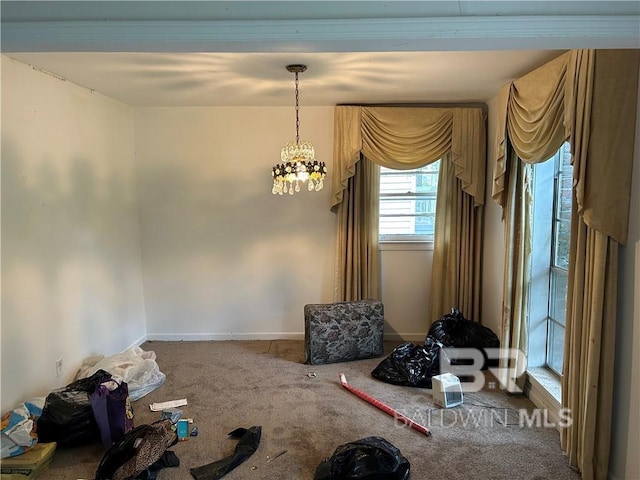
304	410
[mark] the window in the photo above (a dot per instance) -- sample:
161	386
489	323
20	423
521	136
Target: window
559	264
408	203
552	198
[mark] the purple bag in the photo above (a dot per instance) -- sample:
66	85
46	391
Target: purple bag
67	417
112	410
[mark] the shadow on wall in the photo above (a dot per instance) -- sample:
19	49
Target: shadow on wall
72	244
71	274
193	213
50	223
225	254
219	254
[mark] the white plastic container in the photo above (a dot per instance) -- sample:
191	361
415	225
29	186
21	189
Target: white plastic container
447	391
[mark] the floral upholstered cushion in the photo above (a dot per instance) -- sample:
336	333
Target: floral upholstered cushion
343	331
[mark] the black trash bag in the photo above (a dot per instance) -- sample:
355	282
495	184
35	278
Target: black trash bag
410	365
140	454
247	445
453	330
67	417
371	458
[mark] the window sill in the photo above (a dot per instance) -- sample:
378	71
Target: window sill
546	380
544	390
405	246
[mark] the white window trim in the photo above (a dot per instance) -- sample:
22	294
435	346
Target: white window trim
404	245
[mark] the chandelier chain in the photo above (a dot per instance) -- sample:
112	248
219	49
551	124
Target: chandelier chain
297	110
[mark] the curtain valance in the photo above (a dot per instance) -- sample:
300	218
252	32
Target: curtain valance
553	103
410	137
530	114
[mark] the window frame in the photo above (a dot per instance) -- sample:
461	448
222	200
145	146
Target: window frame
544	271
408	241
555	269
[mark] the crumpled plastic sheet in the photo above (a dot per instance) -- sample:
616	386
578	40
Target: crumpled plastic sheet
136	367
17	434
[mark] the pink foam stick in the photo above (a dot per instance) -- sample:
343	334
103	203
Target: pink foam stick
385	408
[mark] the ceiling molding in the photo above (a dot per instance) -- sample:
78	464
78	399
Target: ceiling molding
333	35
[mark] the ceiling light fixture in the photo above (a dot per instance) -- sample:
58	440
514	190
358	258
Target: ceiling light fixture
298	159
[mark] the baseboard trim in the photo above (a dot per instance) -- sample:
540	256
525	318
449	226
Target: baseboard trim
138	342
195	337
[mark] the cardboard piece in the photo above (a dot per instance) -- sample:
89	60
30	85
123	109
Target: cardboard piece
30	464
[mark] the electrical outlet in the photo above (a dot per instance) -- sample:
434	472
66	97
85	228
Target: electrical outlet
58	367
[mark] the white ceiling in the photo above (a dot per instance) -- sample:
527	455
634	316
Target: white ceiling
234	53
260	79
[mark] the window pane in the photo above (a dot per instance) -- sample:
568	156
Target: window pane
565	156
555	347
397	184
426	225
564	197
561	245
552	187
558	305
565	183
408	201
427	182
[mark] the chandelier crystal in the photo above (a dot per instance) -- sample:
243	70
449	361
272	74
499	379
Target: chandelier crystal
298	159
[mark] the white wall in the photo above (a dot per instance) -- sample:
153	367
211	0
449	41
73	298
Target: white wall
222	256
71	274
405	292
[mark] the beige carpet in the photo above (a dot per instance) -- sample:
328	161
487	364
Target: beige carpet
239	384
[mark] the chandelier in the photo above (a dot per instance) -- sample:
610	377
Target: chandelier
298	159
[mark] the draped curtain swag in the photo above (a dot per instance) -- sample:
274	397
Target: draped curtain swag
541	110
409	137
590	98
405	138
